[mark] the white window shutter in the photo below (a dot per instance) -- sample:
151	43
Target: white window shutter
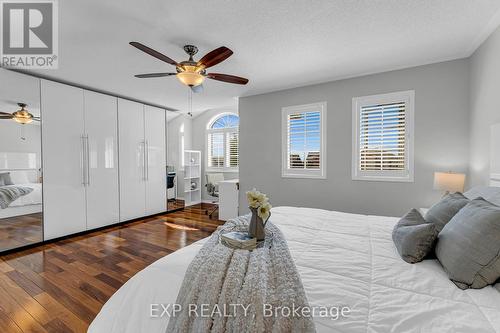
383	137
223	143
232	147
304	141
216	150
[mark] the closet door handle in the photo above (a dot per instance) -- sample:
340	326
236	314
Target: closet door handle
143	144
83	159
146	149
87	150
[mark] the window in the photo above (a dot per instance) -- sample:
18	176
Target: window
222	142
383	137
304	141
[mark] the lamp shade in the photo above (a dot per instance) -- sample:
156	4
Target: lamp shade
190	76
23	117
448	181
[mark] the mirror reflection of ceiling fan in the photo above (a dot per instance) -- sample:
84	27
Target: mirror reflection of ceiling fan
193	73
22	116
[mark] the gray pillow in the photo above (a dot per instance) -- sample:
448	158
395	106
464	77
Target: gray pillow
413	237
468	247
442	212
5	179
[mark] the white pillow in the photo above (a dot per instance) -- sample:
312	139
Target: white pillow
19	177
490	193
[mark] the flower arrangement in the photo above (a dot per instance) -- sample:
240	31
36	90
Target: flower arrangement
260	202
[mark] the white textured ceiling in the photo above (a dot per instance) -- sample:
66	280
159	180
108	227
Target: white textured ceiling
277	44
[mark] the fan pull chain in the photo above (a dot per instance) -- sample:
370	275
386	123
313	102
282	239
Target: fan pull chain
190	102
23	137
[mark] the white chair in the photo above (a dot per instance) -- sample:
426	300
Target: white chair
212	185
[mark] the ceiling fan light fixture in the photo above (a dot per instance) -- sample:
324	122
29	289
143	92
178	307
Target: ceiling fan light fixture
23	117
190	72
190	76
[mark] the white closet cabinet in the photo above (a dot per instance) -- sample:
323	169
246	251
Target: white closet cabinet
132	163
87	184
142	160
101	135
63	147
80	160
156	172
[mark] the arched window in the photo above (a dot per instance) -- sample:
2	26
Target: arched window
222	141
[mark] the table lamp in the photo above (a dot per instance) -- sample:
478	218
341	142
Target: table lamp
449	182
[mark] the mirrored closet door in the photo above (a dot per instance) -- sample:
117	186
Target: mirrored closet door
177	141
21	215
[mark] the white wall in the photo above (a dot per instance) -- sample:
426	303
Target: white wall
441	140
173	147
200	123
10	138
195	139
484	105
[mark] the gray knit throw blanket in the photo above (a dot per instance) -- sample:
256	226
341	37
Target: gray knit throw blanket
226	290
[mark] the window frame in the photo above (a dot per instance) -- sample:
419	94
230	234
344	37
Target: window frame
226	131
303	173
408	97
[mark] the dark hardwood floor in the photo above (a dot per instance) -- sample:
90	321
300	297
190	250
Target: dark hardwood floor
175	204
60	287
21	230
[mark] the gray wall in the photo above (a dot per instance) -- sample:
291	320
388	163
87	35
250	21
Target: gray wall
485	109
199	129
441	140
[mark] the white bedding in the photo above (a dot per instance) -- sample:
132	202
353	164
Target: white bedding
33	198
344	260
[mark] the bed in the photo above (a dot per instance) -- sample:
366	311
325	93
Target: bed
343	260
24	171
27	204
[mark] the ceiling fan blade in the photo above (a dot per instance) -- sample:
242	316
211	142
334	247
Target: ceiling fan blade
153	53
214	57
227	78
197	89
143	76
5	115
36	118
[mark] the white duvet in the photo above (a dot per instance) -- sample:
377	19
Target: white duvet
32	198
343	260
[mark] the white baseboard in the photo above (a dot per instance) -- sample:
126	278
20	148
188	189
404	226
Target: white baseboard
209	201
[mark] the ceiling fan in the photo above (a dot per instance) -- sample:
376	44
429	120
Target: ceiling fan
21	116
193	73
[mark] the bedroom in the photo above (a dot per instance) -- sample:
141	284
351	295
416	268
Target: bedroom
143	179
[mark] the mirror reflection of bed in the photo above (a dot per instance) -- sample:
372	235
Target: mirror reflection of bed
20	199
21	216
